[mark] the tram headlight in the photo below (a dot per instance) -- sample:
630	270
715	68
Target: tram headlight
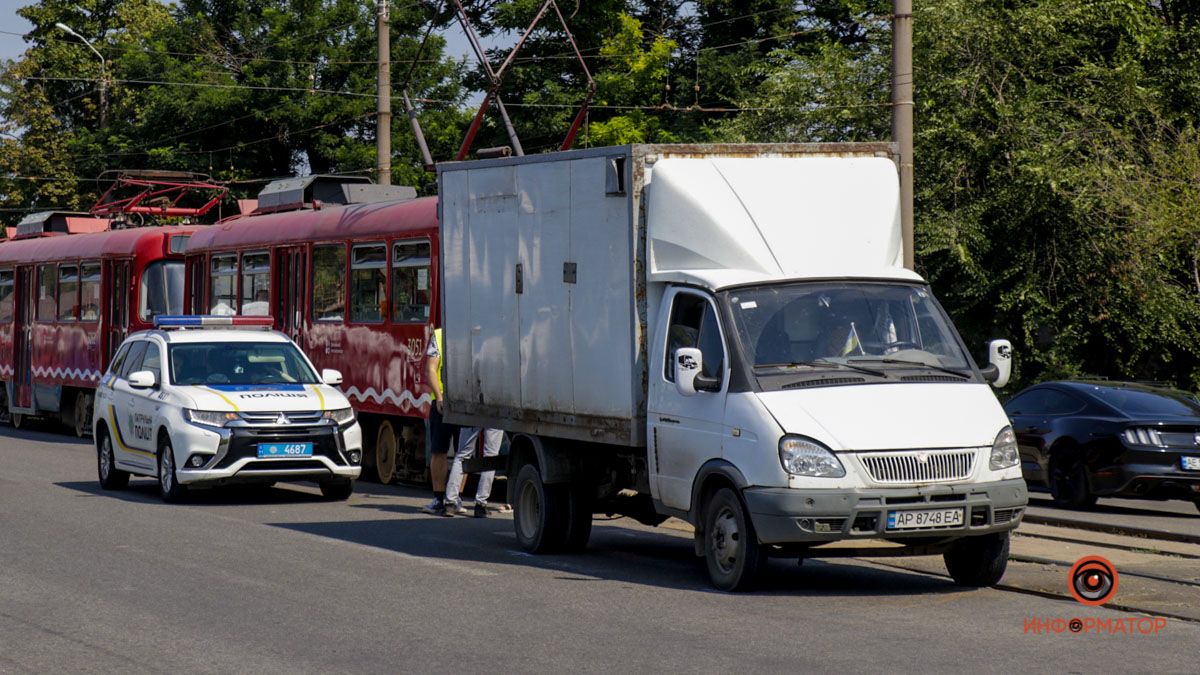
208	418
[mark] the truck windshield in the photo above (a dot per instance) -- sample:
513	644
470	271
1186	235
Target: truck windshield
162	289
248	363
865	327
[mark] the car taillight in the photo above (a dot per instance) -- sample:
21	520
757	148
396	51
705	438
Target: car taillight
1144	436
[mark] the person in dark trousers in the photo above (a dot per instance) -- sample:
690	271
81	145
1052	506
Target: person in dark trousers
440	435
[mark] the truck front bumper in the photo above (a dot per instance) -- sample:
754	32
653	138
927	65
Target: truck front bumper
788	516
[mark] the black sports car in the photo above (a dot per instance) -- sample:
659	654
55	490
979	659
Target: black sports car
1088	439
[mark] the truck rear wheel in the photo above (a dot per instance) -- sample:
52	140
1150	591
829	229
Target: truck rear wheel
385	452
579	517
731	550
978	561
540	512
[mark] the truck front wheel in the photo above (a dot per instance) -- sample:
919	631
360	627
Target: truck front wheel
731	549
540	512
978	561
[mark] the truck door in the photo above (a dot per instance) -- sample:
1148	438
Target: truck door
289	299
685	431
116	318
26	296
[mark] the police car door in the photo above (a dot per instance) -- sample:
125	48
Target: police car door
128	448
144	403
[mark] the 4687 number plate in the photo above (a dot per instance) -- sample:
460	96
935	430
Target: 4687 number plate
266	450
908	520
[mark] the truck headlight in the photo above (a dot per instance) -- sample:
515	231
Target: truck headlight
1004	450
803	457
208	418
343	416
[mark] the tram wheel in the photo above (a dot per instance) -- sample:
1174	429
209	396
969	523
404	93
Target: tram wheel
385	452
83	415
17	420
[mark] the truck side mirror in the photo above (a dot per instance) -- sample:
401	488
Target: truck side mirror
999	367
142	379
689	364
331	377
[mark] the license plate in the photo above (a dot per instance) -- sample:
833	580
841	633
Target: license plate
1190	463
268	450
907	520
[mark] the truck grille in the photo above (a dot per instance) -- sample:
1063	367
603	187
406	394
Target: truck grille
919	466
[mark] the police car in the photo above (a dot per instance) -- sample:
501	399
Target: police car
201	401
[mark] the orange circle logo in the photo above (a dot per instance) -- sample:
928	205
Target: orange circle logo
1092	580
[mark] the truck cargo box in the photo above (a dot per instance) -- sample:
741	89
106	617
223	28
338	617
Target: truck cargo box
545	281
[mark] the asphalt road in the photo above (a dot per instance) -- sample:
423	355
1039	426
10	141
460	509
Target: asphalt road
1174	515
278	580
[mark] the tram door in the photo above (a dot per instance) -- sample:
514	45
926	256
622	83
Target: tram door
26	295
290	283
116	319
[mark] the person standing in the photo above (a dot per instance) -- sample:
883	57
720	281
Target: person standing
468	442
439	434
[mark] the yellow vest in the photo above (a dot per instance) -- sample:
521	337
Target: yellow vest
437	339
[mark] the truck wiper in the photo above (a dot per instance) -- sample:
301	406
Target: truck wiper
921	364
821	363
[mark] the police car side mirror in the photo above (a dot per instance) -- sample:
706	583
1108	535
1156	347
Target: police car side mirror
142	379
331	377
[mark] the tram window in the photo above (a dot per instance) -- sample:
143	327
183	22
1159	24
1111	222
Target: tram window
329	283
368	283
410	282
162	289
222	296
46	304
89	292
6	296
256	283
68	292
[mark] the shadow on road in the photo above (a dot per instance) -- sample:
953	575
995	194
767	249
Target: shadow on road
146	491
1102	508
43	432
616	553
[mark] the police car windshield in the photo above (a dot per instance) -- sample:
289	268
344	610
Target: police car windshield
213	363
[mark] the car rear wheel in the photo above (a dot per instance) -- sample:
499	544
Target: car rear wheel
978	561
168	481
1069	484
111	478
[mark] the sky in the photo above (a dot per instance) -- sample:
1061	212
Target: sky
11	46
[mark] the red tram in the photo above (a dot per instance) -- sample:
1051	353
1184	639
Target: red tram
347	269
68	300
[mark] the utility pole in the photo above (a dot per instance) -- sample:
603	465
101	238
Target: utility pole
103	73
902	116
383	120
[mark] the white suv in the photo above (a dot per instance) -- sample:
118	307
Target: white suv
198	408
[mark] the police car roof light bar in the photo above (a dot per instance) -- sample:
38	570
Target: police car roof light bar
207	321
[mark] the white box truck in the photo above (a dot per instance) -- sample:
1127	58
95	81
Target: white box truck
724	334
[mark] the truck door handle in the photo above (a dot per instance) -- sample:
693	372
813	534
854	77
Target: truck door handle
668	420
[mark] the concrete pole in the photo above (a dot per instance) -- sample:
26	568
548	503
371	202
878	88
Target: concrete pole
902	116
383	120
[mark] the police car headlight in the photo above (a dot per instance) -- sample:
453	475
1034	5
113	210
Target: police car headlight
207	418
342	416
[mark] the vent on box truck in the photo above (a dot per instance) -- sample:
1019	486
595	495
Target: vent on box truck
58	222
312	192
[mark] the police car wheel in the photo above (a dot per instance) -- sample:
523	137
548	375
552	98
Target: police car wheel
168	482
337	490
111	478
